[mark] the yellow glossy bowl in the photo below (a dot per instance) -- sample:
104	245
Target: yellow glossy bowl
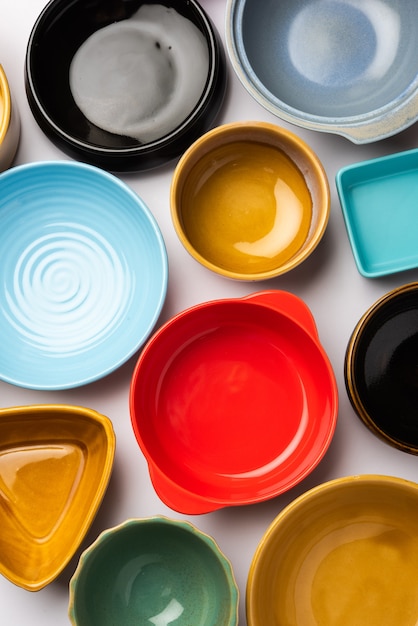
250	200
344	553
55	464
9	124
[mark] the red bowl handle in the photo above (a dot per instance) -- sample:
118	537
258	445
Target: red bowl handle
289	305
179	499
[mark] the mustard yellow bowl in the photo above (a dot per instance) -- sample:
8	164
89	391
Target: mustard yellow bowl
344	553
250	200
9	124
55	464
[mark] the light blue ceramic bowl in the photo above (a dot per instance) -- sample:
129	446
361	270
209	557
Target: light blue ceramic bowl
347	67
379	203
153	571
83	275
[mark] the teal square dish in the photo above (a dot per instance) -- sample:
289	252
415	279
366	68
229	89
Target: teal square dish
379	203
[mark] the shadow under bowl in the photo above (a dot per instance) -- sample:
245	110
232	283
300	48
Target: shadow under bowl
153	570
129	102
346	67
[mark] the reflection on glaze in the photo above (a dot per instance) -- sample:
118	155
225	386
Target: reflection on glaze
145	581
286	225
290	448
370	567
246	207
27	475
354	39
143	76
69	289
172	611
387	371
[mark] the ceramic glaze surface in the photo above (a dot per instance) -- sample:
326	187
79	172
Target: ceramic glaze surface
4	106
246	207
143	76
381	365
345	66
250	200
378	203
153	571
55	464
9	124
83	277
275	409
134	83
343	553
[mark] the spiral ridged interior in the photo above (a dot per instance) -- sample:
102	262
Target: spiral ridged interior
84	274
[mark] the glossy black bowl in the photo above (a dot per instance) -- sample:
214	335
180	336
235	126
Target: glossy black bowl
381	368
56	36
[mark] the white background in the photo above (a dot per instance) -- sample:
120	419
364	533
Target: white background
328	282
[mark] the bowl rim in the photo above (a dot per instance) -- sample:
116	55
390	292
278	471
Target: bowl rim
364	128
349	366
5	104
106	425
353	175
332	485
215	89
178	496
121	187
106	535
299	146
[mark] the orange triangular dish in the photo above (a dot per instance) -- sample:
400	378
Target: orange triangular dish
55	465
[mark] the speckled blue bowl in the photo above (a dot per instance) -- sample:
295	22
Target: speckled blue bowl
153	571
347	67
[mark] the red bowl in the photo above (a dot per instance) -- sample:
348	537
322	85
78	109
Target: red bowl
233	402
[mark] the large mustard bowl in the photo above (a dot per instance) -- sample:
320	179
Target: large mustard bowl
345	552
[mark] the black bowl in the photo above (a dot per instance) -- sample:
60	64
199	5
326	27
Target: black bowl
381	368
61	28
